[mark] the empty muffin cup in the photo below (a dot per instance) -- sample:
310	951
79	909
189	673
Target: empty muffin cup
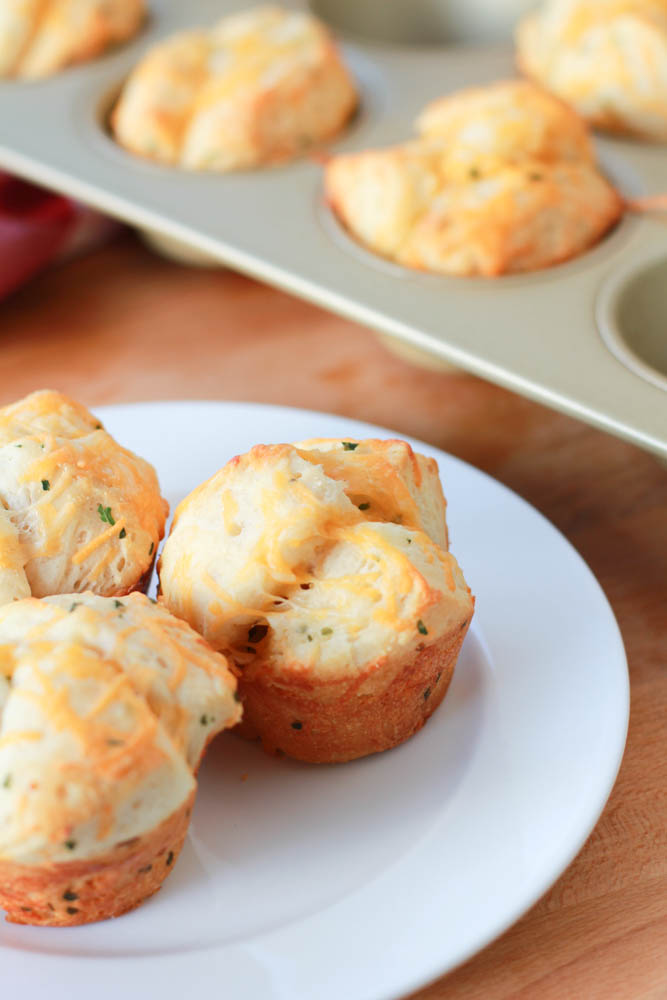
631	318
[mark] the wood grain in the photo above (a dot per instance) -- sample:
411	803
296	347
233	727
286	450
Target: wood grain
124	325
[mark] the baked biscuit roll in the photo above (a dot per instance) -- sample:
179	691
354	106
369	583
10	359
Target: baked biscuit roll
322	570
260	87
608	58
40	37
502	181
106	707
77	511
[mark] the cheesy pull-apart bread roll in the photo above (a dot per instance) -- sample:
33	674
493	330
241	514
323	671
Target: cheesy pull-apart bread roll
260	87
608	58
106	707
77	510
40	37
502	181
322	570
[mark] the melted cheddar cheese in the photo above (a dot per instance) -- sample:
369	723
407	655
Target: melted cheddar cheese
405	486
324	557
77	510
105	709
259	86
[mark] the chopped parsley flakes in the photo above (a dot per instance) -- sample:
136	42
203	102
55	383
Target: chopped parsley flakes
350	445
421	627
105	514
46	485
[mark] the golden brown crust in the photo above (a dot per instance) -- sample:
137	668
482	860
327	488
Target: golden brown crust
332	723
81	892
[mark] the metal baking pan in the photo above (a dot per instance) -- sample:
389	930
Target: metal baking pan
571	337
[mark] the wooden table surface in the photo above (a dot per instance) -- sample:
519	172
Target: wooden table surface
122	325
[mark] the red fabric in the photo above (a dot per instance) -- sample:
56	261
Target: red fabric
34	225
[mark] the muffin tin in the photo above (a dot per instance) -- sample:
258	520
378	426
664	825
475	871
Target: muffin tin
581	337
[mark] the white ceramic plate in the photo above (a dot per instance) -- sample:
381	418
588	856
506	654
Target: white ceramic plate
363	881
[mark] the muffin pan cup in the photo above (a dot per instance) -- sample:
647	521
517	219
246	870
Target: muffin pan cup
538	334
